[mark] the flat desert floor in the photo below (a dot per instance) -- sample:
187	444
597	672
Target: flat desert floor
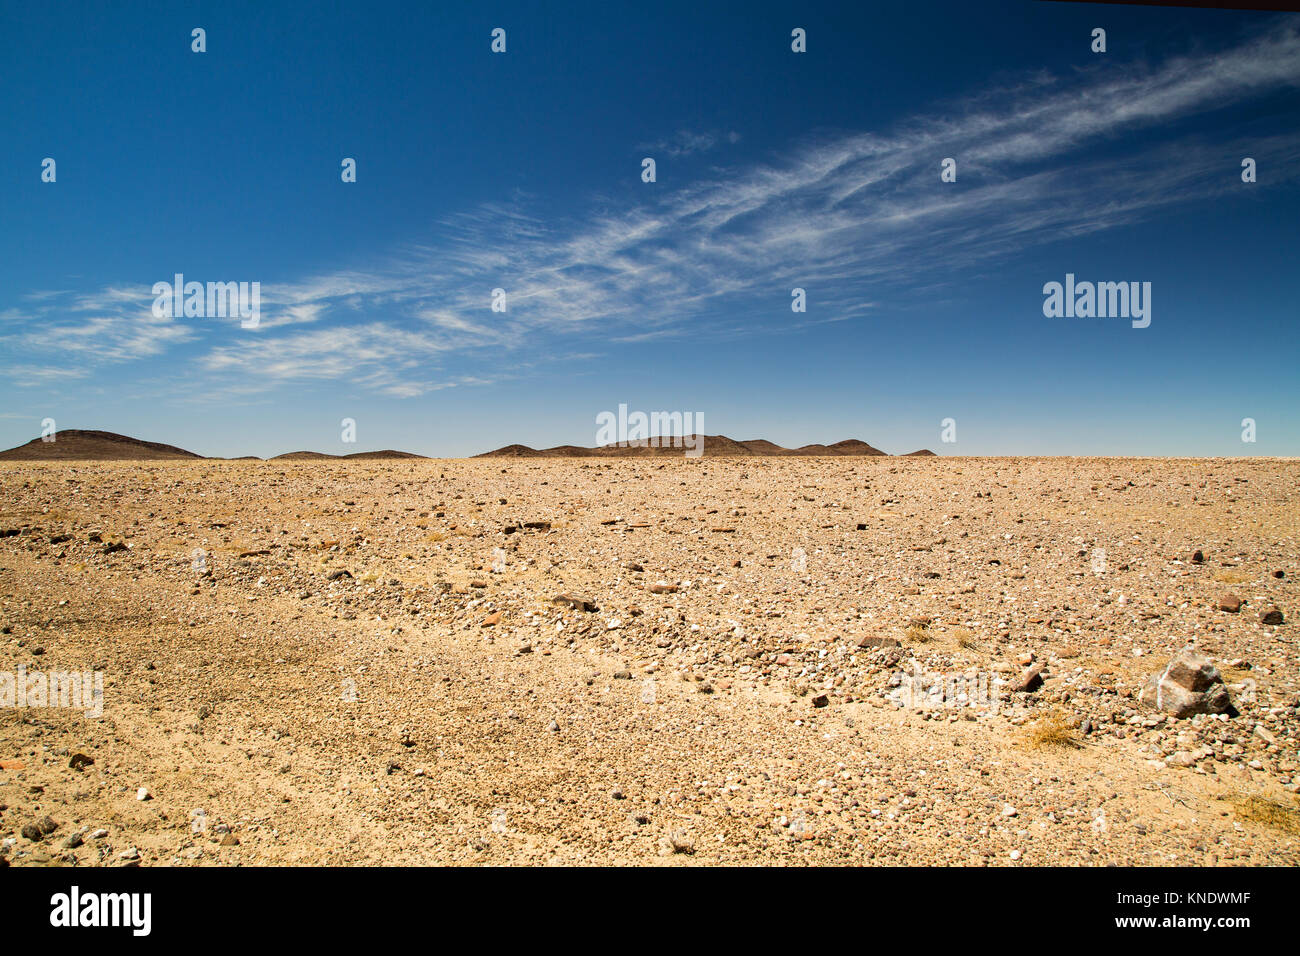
654	661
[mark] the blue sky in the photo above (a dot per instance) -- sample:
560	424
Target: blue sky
775	170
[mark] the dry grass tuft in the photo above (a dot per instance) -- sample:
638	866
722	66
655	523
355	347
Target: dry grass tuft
917	634
1271	813
1052	730
1235	675
965	638
1231	577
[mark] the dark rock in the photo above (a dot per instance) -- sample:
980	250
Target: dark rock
1271	615
869	641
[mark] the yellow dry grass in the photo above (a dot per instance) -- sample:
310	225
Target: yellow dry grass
1051	730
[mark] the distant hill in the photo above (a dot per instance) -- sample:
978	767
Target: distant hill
317	455
715	446
73	443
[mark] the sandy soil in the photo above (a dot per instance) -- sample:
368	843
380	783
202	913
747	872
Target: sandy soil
435	704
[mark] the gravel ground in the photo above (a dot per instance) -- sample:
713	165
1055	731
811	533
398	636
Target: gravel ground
538	661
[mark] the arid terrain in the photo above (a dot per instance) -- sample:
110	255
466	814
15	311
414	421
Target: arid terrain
649	661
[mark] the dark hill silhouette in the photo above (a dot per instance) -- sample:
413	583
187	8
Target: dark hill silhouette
87	444
73	443
715	446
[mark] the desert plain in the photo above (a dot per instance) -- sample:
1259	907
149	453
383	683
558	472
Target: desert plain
650	661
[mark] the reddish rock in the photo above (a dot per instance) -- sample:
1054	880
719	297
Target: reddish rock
1029	681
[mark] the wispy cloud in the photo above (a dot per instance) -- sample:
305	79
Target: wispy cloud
849	217
688	143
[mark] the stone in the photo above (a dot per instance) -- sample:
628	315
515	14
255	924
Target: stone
1230	603
79	760
681	842
576	602
1029	681
1188	685
871	642
1271	615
